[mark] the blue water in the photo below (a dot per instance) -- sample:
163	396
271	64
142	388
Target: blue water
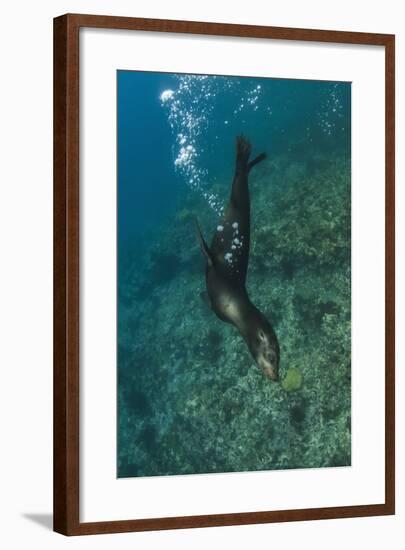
145	165
190	398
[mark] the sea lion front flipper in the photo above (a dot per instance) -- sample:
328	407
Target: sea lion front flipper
203	245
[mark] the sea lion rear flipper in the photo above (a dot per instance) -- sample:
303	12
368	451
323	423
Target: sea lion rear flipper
243	149
204	247
256	160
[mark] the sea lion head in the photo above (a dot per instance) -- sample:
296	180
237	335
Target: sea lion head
263	346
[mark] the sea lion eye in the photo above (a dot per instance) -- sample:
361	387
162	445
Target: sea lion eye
262	336
272	357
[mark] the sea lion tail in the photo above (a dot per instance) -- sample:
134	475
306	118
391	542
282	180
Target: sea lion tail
256	160
203	245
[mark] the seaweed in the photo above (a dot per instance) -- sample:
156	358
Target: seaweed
138	401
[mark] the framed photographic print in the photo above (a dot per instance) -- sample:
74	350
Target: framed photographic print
223	276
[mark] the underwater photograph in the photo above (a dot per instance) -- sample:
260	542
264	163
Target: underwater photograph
233	274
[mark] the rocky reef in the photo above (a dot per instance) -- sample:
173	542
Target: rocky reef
190	399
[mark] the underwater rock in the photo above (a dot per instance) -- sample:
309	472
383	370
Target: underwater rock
293	380
128	469
162	268
298	411
148	437
214	337
165	266
288	265
137	400
184	215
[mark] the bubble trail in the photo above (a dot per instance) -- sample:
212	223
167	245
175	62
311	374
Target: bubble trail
190	107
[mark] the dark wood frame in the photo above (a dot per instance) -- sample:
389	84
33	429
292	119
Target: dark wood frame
66	273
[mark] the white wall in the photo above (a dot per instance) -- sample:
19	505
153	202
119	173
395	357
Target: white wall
26	272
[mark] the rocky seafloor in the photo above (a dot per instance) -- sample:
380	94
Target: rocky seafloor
190	398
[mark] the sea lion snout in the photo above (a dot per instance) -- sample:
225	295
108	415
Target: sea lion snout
264	348
270	370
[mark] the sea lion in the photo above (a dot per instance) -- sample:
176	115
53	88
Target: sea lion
227	263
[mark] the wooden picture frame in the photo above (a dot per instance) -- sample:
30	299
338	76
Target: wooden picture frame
67	284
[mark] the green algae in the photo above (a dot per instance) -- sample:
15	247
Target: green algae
293	380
